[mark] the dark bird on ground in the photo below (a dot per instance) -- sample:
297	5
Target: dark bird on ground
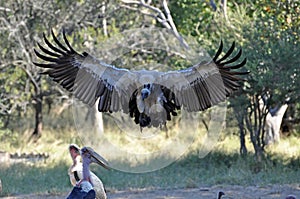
86	183
290	197
150	97
220	194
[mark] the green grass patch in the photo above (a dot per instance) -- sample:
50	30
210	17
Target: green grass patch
221	166
24	179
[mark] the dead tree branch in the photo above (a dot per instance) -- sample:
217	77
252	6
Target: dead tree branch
164	16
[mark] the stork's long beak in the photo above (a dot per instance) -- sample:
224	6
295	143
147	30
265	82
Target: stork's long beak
98	159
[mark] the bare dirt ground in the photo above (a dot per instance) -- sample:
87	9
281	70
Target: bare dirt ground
232	192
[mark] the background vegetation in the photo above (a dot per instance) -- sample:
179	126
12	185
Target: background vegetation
35	113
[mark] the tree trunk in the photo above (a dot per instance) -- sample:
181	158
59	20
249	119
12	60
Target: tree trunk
38	107
98	120
104	21
243	148
272	125
95	119
240	115
224	8
255	120
38	116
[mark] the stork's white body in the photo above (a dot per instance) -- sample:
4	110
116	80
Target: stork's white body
76	169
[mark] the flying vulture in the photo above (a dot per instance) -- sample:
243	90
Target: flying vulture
150	97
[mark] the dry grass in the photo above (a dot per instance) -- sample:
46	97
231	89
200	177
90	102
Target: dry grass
222	165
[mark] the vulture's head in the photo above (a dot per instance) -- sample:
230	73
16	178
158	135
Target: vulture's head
146	91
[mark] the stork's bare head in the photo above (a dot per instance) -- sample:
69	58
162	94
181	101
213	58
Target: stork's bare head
74	151
89	153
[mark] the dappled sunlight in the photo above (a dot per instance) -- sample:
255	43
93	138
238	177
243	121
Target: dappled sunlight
287	149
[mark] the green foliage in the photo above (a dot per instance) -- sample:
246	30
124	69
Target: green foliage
6	136
277	63
268	32
193	17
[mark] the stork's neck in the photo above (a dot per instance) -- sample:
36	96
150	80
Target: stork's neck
86	169
76	160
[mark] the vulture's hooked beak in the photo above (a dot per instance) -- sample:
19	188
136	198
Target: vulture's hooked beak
96	158
145	92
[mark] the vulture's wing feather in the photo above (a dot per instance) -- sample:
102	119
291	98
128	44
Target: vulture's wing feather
204	85
85	76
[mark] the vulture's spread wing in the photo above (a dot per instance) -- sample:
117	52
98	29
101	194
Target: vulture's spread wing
195	89
87	77
204	85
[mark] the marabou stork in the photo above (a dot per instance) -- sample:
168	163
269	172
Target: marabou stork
148	96
81	177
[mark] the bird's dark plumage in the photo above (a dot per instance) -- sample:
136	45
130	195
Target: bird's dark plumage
78	193
290	197
150	97
220	194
